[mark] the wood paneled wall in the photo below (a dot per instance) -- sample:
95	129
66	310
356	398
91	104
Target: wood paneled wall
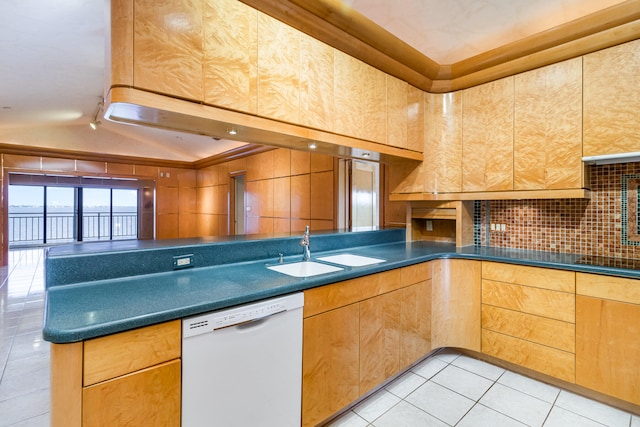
67	166
285	190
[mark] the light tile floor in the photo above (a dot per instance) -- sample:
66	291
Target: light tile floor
451	389
447	389
24	355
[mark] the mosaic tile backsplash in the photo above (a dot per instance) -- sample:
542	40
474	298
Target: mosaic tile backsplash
605	225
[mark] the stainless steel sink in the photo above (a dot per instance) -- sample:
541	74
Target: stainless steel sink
304	268
351	260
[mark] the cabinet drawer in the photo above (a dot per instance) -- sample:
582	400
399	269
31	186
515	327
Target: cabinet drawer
541	302
111	356
540	330
537	277
557	363
607	287
415	274
325	298
148	397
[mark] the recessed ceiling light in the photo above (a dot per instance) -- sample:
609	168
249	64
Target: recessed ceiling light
232	131
313	145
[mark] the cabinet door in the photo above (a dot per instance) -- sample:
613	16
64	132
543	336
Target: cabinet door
316	84
348	95
608	347
379	339
443	123
607	335
548	128
147	397
278	70
397	117
456	304
167	48
231	55
415	322
330	363
374	84
487	137
612	100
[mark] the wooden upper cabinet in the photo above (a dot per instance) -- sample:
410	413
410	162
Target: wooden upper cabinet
443	143
548	128
278	70
167	47
348	95
316	83
415	119
612	100
231	55
119	54
374	89
487	137
397	113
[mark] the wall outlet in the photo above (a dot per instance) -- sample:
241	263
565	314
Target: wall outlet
493	227
503	227
182	261
429	225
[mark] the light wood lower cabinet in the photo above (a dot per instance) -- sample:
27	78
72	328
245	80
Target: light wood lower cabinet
608	335
147	397
456	304
330	363
354	334
379	339
528	317
415	321
129	378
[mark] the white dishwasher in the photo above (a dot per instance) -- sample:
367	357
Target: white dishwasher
243	366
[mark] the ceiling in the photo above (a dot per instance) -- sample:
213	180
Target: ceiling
52	64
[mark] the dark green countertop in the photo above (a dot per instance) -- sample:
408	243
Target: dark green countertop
80	310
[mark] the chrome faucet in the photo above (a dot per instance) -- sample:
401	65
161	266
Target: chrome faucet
306	254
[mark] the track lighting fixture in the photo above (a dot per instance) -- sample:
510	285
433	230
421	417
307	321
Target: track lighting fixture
95	122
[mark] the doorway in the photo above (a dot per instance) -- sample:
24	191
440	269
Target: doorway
358	194
237	205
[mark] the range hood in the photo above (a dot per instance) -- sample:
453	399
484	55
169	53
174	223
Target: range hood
608	159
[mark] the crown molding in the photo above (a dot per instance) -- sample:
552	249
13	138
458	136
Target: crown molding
338	25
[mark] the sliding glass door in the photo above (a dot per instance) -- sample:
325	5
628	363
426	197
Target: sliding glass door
58	214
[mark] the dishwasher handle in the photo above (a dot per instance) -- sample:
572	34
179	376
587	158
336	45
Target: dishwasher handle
253	320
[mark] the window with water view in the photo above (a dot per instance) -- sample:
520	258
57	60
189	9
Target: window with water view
52	215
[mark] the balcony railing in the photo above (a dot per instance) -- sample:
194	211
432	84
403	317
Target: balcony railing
29	228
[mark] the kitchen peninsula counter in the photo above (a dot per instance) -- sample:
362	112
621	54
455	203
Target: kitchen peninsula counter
99	289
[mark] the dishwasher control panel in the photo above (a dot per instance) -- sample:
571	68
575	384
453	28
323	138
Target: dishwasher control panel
247	316
236	316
